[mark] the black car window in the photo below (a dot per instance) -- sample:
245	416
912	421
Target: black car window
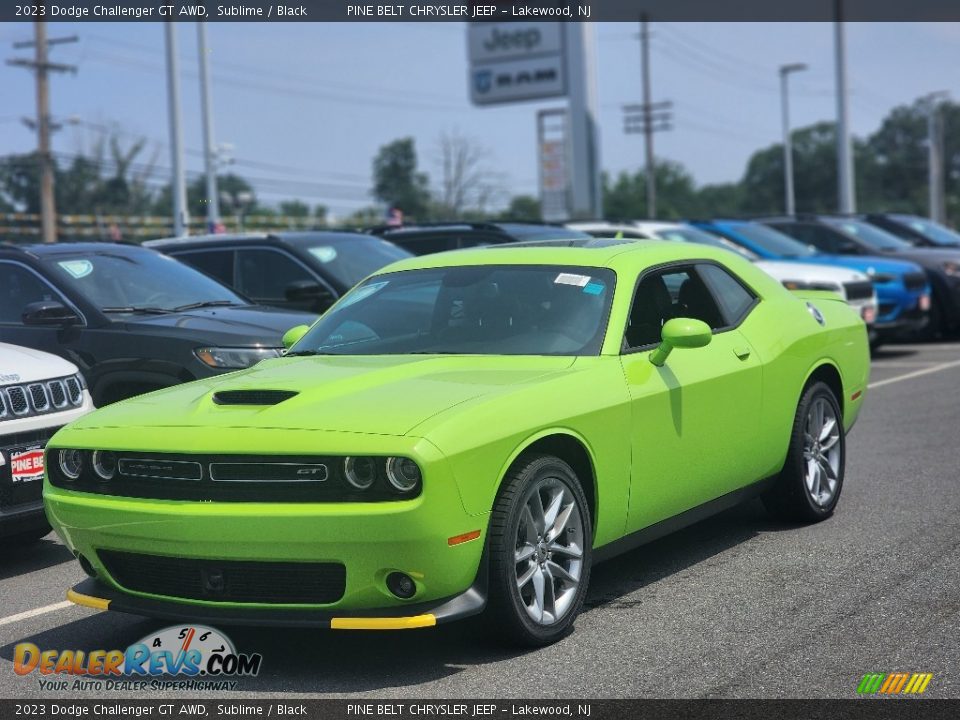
823	239
265	274
734	299
426	244
19	287
217	263
668	294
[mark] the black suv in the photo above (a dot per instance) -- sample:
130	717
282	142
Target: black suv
915	229
437	237
845	235
132	319
294	270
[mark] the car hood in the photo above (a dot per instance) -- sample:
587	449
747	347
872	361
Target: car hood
808	272
242	325
24	365
869	264
381	395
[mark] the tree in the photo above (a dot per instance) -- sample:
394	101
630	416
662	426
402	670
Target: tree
396	180
522	207
625	198
466	183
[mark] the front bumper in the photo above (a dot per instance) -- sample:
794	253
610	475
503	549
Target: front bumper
97	595
418	537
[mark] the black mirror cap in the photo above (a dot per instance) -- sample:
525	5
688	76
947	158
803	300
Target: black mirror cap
49	312
307	291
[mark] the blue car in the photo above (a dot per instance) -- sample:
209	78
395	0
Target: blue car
903	291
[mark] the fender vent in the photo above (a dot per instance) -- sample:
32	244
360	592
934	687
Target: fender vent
252	397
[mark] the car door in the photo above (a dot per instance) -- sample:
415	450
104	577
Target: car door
695	419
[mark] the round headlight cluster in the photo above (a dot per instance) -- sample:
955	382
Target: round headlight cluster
71	463
361	472
402	474
104	464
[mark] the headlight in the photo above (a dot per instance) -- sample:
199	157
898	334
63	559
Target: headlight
360	471
801	285
71	463
104	464
796	285
881	277
952	268
403	473
234	358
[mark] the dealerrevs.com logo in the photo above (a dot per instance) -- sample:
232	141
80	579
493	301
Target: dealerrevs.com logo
898	683
203	658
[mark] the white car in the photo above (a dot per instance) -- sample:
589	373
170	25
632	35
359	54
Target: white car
855	287
39	394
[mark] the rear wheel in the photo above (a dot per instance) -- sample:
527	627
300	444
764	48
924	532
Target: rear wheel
809	485
540	552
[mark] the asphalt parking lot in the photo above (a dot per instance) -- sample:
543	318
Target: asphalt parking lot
737	606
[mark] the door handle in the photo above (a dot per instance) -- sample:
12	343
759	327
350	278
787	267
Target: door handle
742	352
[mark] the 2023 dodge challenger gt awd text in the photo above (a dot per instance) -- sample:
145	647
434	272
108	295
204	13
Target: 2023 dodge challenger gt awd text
465	432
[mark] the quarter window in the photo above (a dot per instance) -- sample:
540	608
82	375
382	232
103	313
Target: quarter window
734	299
218	264
265	274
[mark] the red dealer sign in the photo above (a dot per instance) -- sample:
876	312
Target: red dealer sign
27	465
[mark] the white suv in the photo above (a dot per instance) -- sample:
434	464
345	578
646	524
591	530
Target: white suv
39	394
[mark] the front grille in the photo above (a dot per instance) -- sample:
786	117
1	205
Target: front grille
13	494
860	290
915	281
229	478
39	398
238	581
252	397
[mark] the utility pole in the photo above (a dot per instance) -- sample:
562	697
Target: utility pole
44	126
937	210
177	185
209	154
785	71
846	198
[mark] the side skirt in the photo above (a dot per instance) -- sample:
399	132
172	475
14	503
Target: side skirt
678	522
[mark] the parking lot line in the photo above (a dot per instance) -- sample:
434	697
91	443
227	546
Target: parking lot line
36	611
916	373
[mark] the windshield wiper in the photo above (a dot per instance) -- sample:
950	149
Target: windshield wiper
136	309
204	304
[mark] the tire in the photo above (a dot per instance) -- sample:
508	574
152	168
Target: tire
808	487
540	609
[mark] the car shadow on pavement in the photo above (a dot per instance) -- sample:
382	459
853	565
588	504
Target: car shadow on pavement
30	557
319	662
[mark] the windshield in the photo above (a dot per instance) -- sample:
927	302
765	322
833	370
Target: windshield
868	234
773	241
132	279
932	231
350	258
471	310
694	235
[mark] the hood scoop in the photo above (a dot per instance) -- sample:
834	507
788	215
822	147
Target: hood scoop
252	397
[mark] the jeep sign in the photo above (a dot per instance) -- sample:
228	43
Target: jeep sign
512	62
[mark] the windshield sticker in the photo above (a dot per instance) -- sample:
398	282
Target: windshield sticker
572	279
77	268
324	253
362	293
594	288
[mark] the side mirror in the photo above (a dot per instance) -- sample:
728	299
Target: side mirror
680	333
291	336
49	312
308	291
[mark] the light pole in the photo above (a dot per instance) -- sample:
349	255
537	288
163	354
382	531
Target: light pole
937	210
846	199
785	71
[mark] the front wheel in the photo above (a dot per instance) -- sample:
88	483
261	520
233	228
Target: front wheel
809	485
540	552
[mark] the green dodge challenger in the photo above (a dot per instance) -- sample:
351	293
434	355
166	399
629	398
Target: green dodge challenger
462	433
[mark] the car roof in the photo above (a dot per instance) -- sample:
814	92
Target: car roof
71	248
595	252
293	237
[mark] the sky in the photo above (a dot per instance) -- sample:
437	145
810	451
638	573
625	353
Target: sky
306	106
